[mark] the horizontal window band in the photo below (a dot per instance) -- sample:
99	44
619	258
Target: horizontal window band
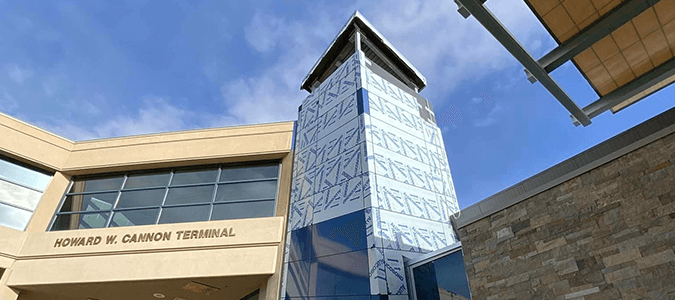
164	206
171	186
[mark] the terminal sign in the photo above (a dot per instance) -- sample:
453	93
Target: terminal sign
147	237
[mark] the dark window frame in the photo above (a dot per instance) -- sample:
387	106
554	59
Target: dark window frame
215	184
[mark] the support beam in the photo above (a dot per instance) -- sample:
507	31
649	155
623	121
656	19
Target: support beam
463	11
588	36
485	17
633	88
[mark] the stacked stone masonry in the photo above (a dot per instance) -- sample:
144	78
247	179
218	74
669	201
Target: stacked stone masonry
606	234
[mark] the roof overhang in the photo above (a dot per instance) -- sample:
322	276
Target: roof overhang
624	49
372	35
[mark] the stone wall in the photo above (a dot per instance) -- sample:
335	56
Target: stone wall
606	234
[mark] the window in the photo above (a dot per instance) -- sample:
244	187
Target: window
252	296
169	196
21	188
440	275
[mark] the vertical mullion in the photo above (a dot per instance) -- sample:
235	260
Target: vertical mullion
70	185
215	192
166	193
117	201
276	193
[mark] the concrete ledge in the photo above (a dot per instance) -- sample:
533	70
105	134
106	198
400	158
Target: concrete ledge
609	150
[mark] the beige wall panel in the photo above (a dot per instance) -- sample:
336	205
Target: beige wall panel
7	293
270	290
49	203
146	266
177	151
282	127
31	144
6	262
231	288
248	232
10	241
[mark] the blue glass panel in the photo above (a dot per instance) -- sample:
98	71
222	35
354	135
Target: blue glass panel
297	279
80	221
89	202
247	191
134	217
147	180
249	172
141	198
191	194
96	184
342	234
300	246
243	210
442	278
340	275
426	286
194	176
182	214
451	274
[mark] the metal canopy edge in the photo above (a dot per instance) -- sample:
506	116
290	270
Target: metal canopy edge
487	19
638	85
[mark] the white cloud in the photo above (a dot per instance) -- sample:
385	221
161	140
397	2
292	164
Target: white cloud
448	49
7	103
274	94
19	74
490	119
156	114
264	31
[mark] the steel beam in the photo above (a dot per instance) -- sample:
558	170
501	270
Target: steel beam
462	11
588	36
488	20
637	86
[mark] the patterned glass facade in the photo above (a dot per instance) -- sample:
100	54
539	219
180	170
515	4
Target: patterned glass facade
371	184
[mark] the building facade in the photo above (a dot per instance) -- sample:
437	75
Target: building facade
371	182
97	219
354	200
331	206
600	225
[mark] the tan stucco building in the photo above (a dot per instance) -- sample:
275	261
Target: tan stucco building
218	259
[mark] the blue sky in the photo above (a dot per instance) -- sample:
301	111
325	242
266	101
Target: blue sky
96	69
